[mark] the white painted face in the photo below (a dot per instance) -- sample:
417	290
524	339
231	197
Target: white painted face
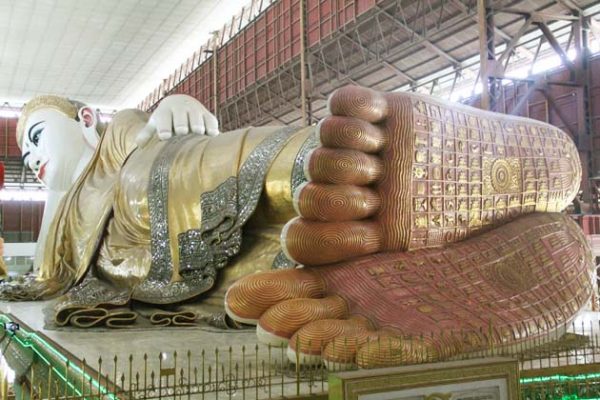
52	147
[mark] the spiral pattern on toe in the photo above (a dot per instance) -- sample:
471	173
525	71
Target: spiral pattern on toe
350	133
363	103
314	337
284	319
318	243
343	167
247	299
344	175
342	349
386	351
336	202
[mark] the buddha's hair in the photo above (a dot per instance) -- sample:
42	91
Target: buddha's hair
62	104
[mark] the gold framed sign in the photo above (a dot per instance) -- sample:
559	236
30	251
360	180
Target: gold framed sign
478	379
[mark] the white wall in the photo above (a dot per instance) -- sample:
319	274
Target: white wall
19	249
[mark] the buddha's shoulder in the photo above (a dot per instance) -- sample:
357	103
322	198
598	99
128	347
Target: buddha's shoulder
127	117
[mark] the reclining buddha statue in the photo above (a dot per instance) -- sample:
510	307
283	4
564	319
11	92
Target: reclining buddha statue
399	215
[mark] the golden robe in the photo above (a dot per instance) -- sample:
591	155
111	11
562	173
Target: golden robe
3	269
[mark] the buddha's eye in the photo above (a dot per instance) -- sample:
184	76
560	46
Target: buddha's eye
35	138
34	135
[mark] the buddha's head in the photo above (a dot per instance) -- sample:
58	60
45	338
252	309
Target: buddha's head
53	133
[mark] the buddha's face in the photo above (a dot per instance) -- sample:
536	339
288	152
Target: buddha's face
52	147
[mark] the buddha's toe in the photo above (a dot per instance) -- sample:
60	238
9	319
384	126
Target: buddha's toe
342	213
279	323
335	203
338	209
351	133
391	350
359	102
342	166
316	243
309	342
340	353
247	299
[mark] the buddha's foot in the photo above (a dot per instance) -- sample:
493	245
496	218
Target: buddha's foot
516	283
400	171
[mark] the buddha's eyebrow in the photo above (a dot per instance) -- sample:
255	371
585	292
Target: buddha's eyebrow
31	129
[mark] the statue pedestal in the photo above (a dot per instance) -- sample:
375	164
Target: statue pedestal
144	357
196	360
91	344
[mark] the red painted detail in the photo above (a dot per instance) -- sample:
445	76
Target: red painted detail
590	223
8	140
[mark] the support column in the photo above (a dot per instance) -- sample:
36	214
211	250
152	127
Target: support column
215	77
489	81
482	10
304	67
585	143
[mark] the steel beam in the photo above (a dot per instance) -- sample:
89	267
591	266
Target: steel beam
487	52
571	6
556	46
375	56
514	40
355	69
426	42
325	64
537	16
497	31
266	86
367	62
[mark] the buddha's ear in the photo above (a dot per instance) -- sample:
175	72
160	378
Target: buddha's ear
88	120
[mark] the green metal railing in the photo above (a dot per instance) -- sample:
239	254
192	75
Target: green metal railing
33	367
46	369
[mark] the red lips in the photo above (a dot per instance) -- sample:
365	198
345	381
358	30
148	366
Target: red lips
42	171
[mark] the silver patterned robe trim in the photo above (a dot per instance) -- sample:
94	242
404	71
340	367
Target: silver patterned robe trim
298	177
223	321
224	211
158	204
282	262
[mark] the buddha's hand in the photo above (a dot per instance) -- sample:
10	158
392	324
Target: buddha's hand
178	114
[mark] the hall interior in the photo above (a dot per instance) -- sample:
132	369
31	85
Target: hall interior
277	63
